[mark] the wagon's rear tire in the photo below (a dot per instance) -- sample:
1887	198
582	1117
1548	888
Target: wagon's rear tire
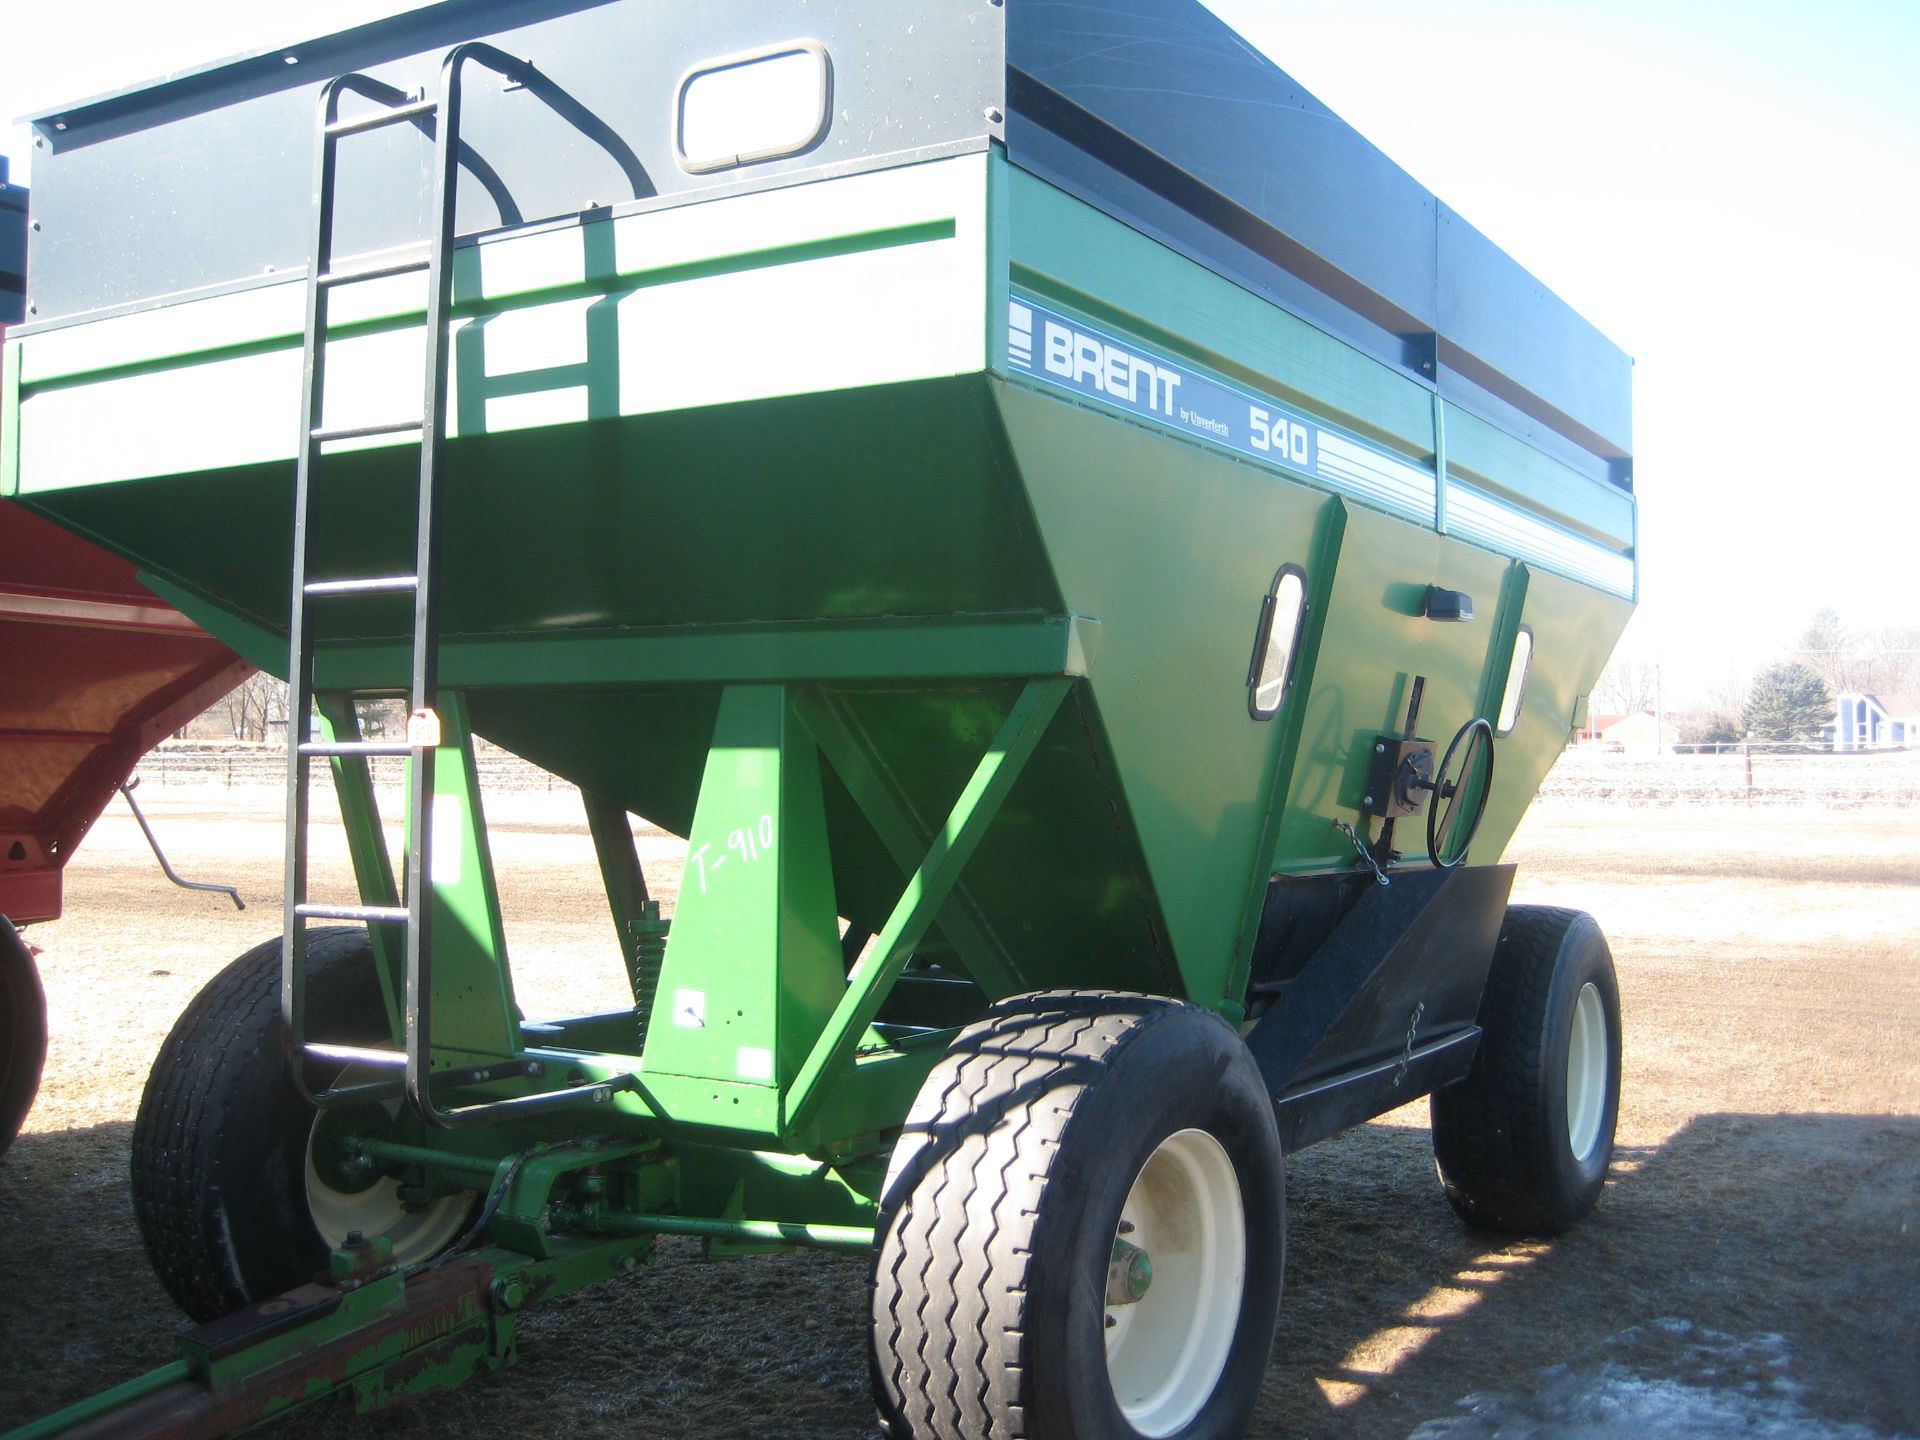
23	1032
1523	1143
1061	1136
230	1204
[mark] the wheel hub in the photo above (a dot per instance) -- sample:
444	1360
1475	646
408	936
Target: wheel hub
1129	1274
349	1193
1176	1275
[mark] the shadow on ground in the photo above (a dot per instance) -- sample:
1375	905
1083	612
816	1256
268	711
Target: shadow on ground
1772	1261
1755	1275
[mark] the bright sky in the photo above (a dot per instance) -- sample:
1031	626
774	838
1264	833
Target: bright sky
1730	189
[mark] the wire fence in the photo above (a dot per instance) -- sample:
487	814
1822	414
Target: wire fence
242	766
1747	775
1743	775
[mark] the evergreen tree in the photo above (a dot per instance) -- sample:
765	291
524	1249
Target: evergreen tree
1789	705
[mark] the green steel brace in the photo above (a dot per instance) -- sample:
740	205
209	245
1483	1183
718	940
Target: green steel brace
906	836
367	848
755	1022
926	891
1507	618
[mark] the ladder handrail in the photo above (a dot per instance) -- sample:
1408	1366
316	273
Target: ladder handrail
543	87
394	98
451	154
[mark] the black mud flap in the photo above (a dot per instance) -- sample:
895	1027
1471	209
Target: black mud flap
1386	1008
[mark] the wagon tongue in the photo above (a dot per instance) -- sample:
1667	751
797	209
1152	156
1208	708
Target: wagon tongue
381	1339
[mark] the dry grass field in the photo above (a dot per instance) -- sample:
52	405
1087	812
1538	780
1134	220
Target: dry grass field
1753	1269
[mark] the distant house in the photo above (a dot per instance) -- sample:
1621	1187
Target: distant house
1637	733
1875	722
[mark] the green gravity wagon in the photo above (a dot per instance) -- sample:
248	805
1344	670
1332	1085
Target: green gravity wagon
1094	560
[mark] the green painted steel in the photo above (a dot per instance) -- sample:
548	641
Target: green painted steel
954	844
474	1018
901	556
107	1402
758	884
367	850
901	635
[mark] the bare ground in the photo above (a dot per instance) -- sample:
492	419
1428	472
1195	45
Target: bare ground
1753	1269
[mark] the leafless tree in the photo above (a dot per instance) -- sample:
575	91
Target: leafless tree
254	704
1893	659
381	717
1830	648
1883	659
1627	686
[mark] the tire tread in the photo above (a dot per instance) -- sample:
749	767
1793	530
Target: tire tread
1493	1152
192	1111
1012	1083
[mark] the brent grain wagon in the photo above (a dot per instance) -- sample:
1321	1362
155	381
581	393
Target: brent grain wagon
1094	559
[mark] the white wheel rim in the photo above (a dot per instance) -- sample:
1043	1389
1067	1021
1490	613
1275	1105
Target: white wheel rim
1587	1065
415	1235
1165	1351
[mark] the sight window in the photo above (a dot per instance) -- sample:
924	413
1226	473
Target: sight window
1276	646
756	105
1515	694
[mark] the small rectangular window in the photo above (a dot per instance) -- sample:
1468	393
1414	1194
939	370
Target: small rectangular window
1515	694
757	105
1283	615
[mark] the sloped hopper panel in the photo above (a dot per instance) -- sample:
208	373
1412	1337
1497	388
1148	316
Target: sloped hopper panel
891	501
887	508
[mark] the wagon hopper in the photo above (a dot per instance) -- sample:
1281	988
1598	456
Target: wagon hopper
1094	559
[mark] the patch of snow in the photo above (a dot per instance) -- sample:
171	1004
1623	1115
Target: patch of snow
1669	1377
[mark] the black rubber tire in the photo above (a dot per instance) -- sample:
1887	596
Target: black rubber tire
220	1143
1002	1200
1500	1136
23	1032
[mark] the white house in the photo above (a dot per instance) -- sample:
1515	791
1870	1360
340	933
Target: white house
1876	722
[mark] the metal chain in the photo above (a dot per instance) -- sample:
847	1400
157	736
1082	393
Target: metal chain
1360	846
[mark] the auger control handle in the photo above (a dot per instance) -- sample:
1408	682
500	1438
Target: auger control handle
1447	840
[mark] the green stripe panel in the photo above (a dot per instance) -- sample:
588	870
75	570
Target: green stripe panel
785	292
1066	250
1494	460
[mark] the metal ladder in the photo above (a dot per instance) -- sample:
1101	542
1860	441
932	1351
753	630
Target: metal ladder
442	118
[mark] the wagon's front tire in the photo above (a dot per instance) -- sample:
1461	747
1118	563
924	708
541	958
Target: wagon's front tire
23	1032
1523	1143
1082	1231
231	1204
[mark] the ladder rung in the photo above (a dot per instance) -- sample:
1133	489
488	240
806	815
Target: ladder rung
356	747
363	432
379	118
374	272
356	1055
371	585
393	914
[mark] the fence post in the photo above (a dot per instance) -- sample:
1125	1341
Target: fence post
1747	749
